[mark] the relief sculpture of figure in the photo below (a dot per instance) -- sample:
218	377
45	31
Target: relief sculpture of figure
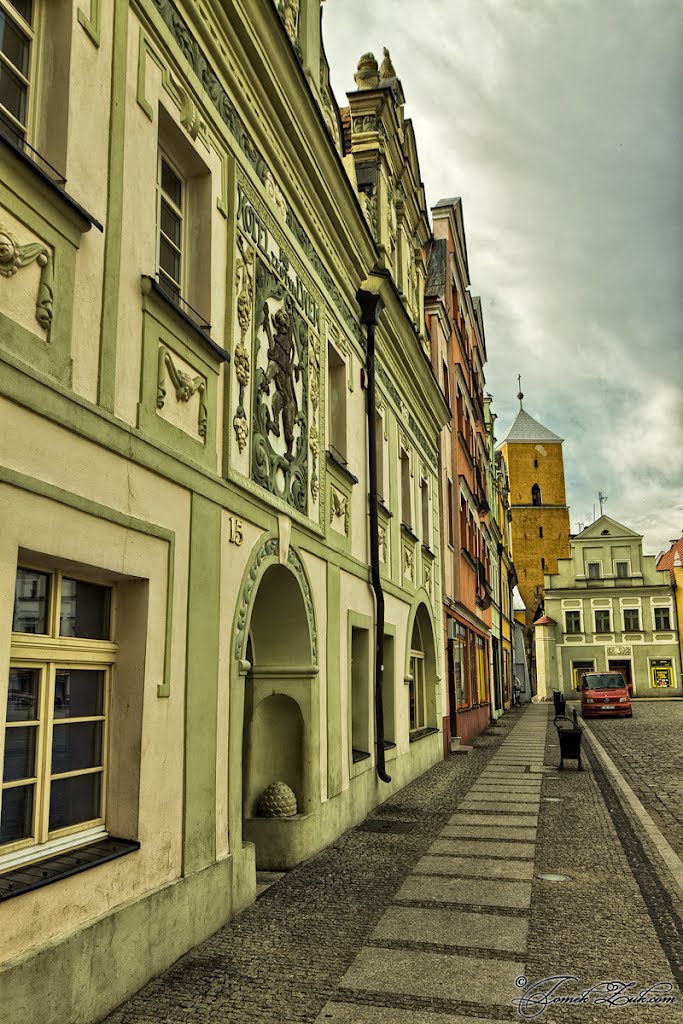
282	371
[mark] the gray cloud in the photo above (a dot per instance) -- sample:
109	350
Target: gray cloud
558	122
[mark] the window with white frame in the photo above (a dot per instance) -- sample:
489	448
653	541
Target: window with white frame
171	210
593	570
602	620
662	618
17	66
621	570
631	620
55	742
572	621
417	691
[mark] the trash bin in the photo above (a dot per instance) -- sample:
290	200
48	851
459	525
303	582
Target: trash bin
569	733
559	702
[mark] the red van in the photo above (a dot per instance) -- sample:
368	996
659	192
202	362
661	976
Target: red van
605	693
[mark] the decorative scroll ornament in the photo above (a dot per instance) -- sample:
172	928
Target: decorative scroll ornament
185	387
14	257
245	299
408	560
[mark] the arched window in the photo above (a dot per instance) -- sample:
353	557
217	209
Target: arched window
536	495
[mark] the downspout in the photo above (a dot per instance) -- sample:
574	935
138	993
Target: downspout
371	307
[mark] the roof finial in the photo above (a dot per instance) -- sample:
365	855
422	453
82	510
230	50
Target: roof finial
520	396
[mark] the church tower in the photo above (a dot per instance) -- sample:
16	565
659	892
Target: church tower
539	527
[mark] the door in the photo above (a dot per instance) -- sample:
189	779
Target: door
625	668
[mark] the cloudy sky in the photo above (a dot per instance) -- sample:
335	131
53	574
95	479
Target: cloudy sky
559	124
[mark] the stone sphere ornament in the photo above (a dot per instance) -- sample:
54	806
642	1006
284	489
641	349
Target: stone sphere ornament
278	800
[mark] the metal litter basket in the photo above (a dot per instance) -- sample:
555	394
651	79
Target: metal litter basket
569	733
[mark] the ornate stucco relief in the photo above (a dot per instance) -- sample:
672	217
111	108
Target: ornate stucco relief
244	284
189	412
279	319
339	510
382	539
14	257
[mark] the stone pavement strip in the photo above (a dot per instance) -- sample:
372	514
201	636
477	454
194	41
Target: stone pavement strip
481	904
435	925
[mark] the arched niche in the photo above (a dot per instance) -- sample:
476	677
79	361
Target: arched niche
273	748
421	670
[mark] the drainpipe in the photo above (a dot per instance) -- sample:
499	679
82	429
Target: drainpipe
371	307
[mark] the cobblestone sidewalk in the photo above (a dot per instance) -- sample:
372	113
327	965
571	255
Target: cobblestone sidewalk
285	958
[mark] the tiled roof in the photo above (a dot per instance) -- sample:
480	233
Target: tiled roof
545	621
524	429
667	558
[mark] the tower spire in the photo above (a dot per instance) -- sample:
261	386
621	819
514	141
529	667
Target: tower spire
520	395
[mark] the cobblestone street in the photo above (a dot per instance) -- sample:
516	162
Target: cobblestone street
433	924
648	751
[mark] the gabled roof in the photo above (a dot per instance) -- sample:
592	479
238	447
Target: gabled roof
674	556
525	429
605	523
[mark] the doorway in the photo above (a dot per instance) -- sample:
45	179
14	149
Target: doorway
625	668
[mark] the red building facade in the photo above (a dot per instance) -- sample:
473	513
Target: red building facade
458	352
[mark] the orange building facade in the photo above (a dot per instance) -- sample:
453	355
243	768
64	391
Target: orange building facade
458	352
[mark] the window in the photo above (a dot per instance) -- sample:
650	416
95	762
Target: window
540	531
602	621
662	618
406	504
536	495
460	667
451	515
482	673
572	622
379	451
426	526
446	385
54	777
17	71
631	620
336	385
416	691
543	564
535	463
593	570
389	689
360	693
171	229
621	569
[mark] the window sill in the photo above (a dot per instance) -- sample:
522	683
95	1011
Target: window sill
150	286
408	530
359	755
87	219
383	508
419	734
39	873
338	463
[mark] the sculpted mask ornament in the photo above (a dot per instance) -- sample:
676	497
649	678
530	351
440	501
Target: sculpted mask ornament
185	387
14	257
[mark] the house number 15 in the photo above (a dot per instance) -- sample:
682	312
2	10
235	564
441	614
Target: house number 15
236	527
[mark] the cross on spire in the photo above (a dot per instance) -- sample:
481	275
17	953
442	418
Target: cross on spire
520	395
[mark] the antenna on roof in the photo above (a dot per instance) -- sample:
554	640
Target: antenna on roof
602	498
520	396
